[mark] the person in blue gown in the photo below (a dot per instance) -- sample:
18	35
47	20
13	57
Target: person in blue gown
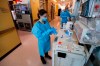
42	30
64	15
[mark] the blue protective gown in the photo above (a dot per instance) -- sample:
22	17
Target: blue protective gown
40	31
64	15
68	14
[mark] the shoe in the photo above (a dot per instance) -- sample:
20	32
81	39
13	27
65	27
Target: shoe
43	60
47	56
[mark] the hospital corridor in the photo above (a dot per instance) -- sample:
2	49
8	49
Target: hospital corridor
27	53
49	33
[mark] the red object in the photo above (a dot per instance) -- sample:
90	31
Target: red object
59	42
97	6
18	1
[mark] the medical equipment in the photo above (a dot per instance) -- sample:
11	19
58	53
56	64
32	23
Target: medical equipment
65	35
86	34
67	53
68	33
90	8
23	16
80	32
76	8
69	25
87	29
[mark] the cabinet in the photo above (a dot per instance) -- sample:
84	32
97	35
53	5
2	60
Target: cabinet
9	38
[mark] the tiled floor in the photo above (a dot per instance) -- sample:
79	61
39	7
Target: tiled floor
27	53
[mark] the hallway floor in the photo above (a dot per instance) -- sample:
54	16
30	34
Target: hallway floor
27	54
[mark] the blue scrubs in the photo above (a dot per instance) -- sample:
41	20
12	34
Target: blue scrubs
41	32
68	14
64	15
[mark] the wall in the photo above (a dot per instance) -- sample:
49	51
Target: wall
8	34
49	10
52	9
4	11
46	4
59	2
56	9
34	8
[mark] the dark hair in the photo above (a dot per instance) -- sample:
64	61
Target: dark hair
41	12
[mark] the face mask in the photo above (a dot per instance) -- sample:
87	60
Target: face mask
44	19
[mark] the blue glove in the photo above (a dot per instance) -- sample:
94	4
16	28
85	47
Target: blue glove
49	31
54	31
67	32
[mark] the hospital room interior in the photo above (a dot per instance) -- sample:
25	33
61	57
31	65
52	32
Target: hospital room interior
49	32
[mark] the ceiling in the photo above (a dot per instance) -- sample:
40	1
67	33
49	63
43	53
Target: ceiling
67	2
